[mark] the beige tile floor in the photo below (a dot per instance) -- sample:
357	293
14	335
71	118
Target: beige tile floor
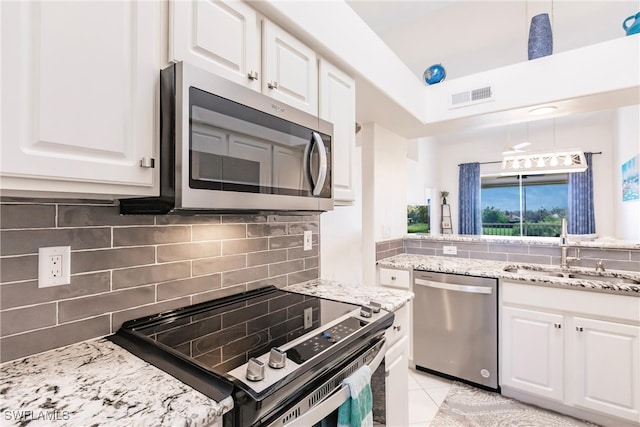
426	394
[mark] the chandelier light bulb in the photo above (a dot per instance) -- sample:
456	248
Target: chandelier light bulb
567	160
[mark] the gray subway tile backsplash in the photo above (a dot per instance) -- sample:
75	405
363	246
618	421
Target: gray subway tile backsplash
124	267
219	264
18	294
138	236
615	259
188	251
39	340
27	216
17	242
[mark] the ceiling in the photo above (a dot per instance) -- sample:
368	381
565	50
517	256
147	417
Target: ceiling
467	37
473	36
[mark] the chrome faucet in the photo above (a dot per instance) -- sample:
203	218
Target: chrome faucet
564	246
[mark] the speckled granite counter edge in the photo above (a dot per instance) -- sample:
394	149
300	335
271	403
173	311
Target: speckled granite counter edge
496	269
390	299
544	241
98	383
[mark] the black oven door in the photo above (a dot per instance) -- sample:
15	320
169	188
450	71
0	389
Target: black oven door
319	407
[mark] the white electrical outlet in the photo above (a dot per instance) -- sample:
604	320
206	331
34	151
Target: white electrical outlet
54	266
308	240
308	317
450	250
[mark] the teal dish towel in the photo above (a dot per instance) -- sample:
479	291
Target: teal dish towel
357	410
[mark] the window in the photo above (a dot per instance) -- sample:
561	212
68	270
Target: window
526	205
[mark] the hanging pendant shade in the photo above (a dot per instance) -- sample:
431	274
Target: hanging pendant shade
542	163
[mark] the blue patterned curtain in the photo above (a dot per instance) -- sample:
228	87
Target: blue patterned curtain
581	219
469	213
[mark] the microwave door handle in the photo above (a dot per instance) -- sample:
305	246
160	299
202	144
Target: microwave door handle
307	161
322	171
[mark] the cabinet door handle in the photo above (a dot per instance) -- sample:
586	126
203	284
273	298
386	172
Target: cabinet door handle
579	328
393	277
147	162
272	85
557	325
252	75
397	327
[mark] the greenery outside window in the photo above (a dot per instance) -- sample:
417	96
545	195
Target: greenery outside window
524	205
418	219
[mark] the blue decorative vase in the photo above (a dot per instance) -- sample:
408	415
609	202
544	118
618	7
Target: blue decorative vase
634	27
434	74
540	37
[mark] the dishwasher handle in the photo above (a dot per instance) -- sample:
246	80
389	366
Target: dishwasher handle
453	287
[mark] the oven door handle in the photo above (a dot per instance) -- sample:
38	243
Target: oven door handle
333	402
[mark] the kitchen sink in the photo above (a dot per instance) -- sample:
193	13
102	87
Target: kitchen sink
530	272
526	271
596	276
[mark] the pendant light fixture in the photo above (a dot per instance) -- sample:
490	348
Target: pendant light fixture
554	161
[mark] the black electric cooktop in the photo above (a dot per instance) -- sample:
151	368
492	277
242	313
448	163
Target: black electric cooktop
218	336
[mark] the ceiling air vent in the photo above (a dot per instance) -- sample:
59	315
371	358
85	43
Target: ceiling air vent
471	97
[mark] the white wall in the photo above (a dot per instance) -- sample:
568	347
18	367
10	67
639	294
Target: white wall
423	172
591	132
341	232
384	192
626	145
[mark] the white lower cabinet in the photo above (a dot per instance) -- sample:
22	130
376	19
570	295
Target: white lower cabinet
579	351
397	370
532	350
606	364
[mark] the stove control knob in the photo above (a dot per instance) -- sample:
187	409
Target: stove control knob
277	358
376	306
255	370
366	311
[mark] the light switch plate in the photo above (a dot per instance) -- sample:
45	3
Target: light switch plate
54	266
450	250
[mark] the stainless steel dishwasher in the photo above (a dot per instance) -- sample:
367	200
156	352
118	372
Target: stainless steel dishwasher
455	326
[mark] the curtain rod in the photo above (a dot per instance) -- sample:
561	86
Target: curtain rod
500	161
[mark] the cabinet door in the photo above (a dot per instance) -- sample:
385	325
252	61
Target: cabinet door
79	96
338	105
532	351
397	383
606	359
290	69
220	36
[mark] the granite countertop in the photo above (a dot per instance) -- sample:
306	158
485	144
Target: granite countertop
534	274
574	240
96	382
390	299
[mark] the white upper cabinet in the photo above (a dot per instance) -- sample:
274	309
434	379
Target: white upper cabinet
337	105
79	96
219	36
290	69
225	38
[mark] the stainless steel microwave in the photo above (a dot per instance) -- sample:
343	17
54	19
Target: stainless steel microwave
227	148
